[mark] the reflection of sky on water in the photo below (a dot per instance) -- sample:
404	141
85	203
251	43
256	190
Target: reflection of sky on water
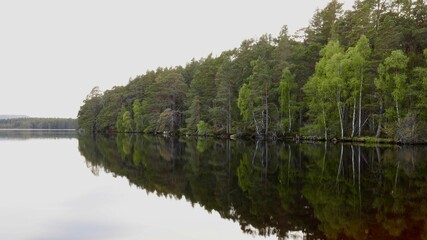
295	235
24	134
79	230
47	192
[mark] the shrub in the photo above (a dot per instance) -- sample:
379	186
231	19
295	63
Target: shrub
204	128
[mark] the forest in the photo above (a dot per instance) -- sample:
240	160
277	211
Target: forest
38	123
355	74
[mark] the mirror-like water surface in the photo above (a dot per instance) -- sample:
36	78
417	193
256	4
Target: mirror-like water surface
144	187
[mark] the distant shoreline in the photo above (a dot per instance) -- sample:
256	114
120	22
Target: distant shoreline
38	129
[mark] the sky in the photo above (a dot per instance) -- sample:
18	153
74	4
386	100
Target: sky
52	53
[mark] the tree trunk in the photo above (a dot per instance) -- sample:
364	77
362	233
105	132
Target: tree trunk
352	163
229	113
256	124
324	122
354	119
360	105
340	165
379	121
289	112
266	111
341	119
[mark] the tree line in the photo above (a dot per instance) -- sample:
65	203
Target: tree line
38	123
355	73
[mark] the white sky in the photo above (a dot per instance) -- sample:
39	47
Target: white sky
53	52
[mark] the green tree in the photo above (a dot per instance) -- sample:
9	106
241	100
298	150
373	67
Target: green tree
245	103
194	112
166	95
204	128
203	86
287	99
224	108
124	121
326	87
89	110
356	61
127	122
111	102
137	116
392	85
261	80
253	100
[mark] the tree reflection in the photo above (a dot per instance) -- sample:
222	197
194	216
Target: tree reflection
321	191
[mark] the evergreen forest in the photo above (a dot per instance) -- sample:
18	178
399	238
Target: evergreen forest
355	74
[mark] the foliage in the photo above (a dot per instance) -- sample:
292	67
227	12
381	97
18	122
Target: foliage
204	128
349	73
287	100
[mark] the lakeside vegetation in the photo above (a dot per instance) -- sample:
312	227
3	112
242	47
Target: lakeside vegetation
357	73
39	123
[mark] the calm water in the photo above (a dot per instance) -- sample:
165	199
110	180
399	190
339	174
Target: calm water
61	186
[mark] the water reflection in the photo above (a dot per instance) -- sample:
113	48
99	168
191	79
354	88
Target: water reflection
23	134
315	191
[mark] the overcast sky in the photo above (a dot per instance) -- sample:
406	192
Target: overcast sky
53	52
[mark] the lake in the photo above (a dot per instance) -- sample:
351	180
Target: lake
64	186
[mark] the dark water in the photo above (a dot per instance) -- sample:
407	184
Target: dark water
302	191
61	186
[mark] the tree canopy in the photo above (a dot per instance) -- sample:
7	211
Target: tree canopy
360	72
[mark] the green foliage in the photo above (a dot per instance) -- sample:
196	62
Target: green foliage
224	109
358	72
392	87
89	111
195	114
287	100
127	122
138	116
204	128
204	88
326	90
124	121
168	121
245	102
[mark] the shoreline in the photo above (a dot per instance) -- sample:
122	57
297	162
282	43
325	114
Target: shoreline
296	139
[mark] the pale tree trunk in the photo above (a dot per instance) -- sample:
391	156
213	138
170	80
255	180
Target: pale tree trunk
324	158
266	159
340	165
324	122
397	175
340	112
341	121
352	163
354	119
378	134
256	124
360	105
